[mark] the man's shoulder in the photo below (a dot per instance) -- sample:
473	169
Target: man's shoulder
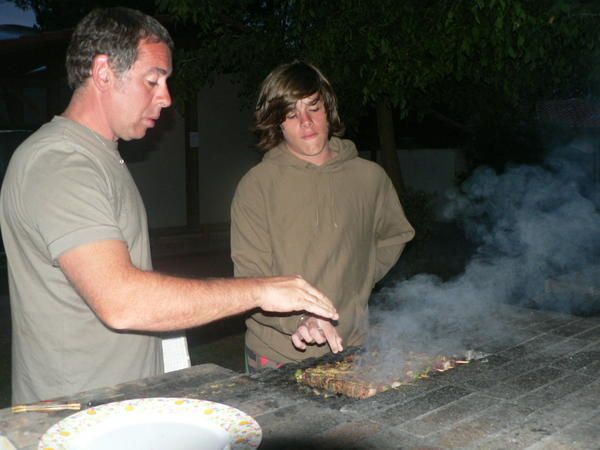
52	142
51	136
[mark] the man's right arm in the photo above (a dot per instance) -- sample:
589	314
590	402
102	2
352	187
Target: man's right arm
127	298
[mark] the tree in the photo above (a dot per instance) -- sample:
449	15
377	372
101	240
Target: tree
459	60
478	64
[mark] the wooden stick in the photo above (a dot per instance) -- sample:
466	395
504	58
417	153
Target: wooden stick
46	406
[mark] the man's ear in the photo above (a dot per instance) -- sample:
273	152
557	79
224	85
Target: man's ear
101	72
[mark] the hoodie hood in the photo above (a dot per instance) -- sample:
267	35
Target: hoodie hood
323	177
343	149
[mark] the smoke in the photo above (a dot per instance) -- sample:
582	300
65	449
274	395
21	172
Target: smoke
536	231
532	225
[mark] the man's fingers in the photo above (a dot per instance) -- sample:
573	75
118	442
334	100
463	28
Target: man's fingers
295	294
320	301
283	294
321	307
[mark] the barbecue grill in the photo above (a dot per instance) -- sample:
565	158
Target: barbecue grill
528	388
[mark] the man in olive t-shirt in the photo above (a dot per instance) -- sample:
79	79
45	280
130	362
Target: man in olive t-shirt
85	304
68	186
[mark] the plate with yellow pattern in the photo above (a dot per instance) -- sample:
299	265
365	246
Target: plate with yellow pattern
155	423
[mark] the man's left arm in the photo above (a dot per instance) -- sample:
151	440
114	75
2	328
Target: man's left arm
392	230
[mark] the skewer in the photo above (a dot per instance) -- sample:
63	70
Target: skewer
39	407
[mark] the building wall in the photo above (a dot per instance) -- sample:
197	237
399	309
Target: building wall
432	170
226	149
157	164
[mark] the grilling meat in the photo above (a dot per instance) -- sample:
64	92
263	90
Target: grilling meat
360	375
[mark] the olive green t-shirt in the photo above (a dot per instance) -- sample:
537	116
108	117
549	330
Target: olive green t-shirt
66	186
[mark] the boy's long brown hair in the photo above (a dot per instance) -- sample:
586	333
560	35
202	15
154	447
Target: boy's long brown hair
280	91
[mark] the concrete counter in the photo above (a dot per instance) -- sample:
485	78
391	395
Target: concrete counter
541	390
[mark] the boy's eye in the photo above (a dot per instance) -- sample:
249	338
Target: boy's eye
153	83
290	116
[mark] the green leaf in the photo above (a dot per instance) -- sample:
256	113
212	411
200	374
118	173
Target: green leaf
499	24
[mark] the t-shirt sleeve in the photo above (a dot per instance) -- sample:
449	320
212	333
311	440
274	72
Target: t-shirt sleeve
68	199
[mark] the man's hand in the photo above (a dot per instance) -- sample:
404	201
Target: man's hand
287	294
317	331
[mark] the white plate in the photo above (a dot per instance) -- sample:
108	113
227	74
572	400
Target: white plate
155	423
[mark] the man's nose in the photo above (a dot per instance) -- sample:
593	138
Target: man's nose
164	97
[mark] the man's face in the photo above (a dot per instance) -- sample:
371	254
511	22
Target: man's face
139	94
306	130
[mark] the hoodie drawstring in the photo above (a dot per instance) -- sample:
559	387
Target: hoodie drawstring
316	196
332	196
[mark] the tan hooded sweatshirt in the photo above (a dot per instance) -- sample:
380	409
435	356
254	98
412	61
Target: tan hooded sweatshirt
339	225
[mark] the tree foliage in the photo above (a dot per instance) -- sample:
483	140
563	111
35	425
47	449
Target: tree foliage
410	51
475	62
478	64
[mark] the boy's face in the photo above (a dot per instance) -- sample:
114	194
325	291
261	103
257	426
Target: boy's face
306	129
